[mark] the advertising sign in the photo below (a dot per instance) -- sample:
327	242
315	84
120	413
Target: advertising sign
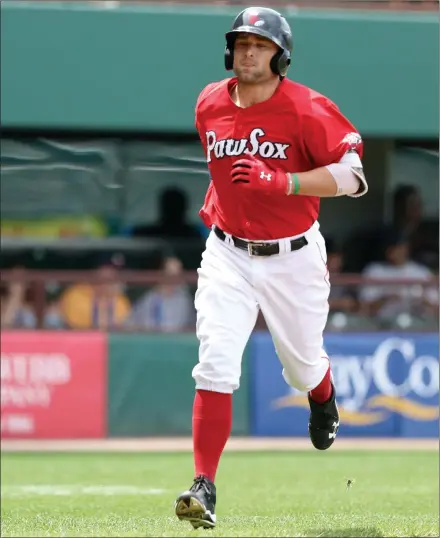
53	385
387	385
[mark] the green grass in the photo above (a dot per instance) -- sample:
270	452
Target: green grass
259	494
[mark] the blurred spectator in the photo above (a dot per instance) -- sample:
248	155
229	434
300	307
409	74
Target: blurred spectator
18	307
100	306
17	311
172	222
342	298
53	318
389	300
168	307
422	234
364	246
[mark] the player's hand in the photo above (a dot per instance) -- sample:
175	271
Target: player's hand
256	175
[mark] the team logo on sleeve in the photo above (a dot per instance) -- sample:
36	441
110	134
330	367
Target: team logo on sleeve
232	147
353	139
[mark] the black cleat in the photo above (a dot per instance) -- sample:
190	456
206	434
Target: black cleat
197	505
323	422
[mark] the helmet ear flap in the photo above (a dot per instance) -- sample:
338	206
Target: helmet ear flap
279	63
229	58
229	51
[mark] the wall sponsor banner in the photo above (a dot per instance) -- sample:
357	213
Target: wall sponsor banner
387	385
53	384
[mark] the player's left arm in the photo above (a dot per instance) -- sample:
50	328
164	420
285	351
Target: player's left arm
344	178
336	148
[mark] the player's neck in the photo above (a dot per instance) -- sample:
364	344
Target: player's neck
246	95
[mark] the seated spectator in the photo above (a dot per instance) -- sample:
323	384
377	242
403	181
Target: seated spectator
169	307
17	310
387	301
172	223
422	233
364	246
342	298
53	318
99	306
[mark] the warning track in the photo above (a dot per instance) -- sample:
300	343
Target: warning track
184	444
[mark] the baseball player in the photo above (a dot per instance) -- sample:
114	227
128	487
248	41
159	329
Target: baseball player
273	148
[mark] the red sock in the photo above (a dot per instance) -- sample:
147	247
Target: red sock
323	391
212	423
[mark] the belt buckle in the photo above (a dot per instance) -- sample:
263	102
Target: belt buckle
252	246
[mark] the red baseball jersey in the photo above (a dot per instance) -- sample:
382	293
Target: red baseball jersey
297	130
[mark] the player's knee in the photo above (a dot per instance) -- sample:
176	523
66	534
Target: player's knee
303	379
203	383
217	376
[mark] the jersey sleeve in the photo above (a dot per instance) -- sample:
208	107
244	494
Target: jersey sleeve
328	133
199	104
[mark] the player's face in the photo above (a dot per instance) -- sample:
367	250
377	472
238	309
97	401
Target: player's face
252	55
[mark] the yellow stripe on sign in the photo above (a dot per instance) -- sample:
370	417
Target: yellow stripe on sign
353	418
405	407
402	406
291	400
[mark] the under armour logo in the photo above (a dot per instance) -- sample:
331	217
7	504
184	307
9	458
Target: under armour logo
268	177
332	435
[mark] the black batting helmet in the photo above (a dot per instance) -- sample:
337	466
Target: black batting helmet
267	23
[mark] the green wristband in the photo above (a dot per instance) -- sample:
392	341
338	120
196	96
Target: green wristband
296	184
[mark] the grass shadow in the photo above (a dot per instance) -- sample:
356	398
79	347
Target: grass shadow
355	532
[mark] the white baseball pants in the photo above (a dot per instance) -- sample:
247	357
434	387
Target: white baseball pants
290	288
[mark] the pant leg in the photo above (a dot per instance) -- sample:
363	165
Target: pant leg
226	315
293	296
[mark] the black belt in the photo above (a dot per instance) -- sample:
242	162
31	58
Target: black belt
261	249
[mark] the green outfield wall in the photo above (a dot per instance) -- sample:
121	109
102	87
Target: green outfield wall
151	389
140	68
